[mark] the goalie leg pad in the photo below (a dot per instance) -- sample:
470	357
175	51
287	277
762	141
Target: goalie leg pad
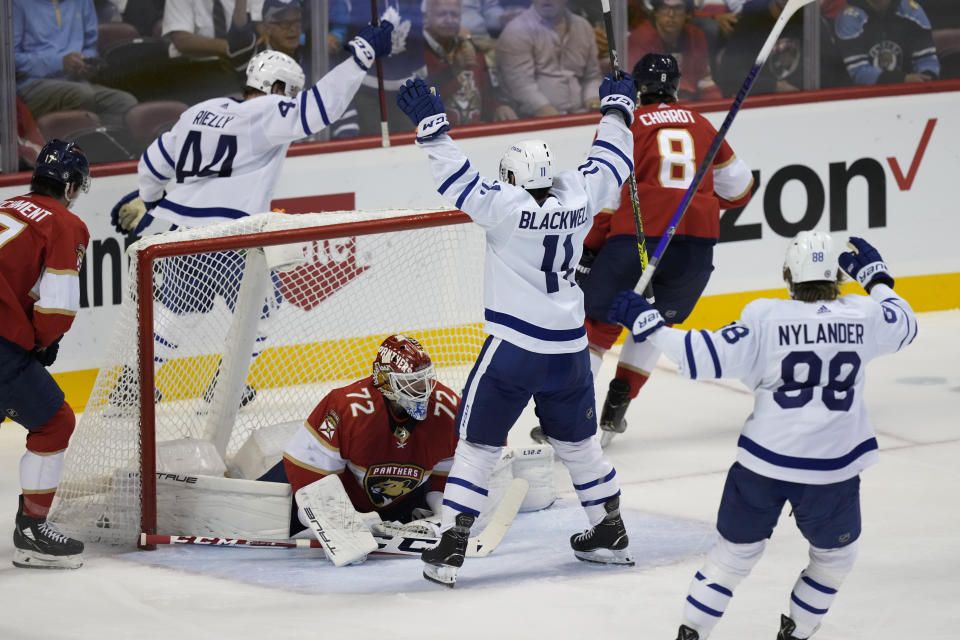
535	465
331	516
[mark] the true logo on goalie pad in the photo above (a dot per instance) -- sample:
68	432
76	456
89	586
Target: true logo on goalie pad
384	483
328	546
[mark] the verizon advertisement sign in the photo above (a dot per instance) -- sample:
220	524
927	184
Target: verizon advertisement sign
881	167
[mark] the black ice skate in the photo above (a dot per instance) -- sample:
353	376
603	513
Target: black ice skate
686	633
612	420
248	395
606	542
38	545
787	627
442	562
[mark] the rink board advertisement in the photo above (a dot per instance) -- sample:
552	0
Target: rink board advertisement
881	167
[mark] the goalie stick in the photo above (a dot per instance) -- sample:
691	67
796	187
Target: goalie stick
789	9
479	546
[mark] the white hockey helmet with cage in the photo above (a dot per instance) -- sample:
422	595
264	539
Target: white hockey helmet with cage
268	67
531	164
403	372
810	257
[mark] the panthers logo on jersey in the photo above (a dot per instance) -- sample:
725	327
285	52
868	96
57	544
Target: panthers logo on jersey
385	483
886	55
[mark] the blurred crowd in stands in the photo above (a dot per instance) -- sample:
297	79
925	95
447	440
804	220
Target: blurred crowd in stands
113	74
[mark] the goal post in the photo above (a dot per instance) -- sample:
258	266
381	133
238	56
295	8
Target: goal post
235	327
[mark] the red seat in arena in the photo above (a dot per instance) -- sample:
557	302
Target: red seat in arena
148	120
66	124
111	33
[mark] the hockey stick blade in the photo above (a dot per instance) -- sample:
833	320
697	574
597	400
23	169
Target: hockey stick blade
789	9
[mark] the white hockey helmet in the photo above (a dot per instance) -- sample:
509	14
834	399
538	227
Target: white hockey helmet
810	257
268	67
531	164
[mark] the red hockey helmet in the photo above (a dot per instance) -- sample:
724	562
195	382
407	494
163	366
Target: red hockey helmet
402	371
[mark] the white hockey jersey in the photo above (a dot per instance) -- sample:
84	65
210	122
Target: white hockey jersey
805	362
530	297
222	159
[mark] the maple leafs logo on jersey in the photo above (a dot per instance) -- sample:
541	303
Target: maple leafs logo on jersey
329	425
401	29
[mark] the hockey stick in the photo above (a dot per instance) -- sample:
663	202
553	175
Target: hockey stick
478	546
632	179
384	128
789	9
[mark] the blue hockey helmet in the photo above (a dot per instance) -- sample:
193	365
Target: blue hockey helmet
63	162
657	75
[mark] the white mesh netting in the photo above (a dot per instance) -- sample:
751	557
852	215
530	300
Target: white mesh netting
239	346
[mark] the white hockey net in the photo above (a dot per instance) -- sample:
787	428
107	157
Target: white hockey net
226	326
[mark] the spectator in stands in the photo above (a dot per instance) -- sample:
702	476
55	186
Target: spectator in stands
669	31
547	58
338	16
213	40
485	19
282	30
55	52
886	41
717	19
458	69
145	15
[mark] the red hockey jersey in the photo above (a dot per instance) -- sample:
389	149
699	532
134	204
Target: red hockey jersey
669	142
42	245
386	457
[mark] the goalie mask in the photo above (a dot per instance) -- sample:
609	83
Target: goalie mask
402	371
269	67
810	258
531	164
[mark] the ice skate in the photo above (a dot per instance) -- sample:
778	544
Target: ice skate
787	627
606	542
442	562
686	633
249	393
38	545
612	422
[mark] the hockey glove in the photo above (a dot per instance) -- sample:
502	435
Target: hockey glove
586	264
634	312
424	107
240	43
130	214
620	94
864	264
371	43
47	355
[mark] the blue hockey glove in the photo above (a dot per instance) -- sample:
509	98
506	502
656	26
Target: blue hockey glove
371	43
47	355
620	94
634	312
864	264
424	107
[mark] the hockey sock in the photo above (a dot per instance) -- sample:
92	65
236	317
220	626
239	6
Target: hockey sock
596	360
42	463
637	360
594	478
466	489
712	587
817	586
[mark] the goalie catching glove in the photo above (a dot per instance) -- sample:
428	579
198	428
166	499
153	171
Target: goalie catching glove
131	214
424	107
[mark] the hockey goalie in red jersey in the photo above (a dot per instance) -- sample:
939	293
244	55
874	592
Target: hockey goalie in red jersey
390	436
42	245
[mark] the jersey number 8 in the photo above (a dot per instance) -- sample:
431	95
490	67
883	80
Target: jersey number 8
837	394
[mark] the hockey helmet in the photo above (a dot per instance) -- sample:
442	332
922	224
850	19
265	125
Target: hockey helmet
531	164
403	372
63	162
269	67
657	74
810	257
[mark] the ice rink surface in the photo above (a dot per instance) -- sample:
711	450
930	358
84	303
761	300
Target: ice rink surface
671	463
